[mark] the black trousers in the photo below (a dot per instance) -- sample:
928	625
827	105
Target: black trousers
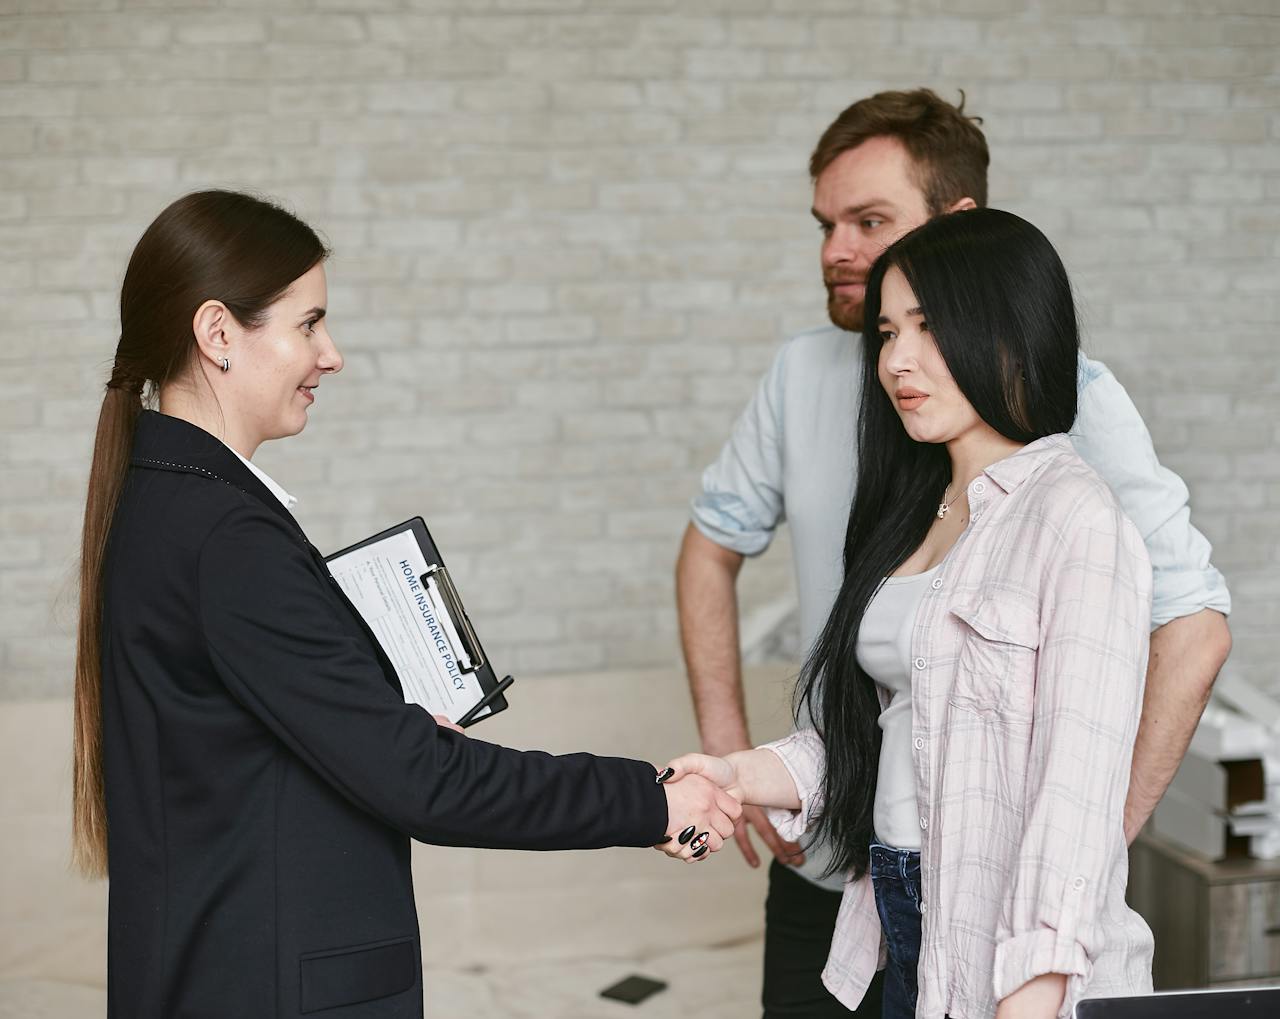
799	919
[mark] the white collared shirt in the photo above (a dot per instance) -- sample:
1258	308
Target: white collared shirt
1028	658
286	500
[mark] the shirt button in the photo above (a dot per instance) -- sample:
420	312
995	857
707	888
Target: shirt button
924	825
924	908
979	487
919	743
937	584
1078	883
920	663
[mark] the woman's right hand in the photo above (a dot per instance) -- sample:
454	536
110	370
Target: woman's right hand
700	817
720	770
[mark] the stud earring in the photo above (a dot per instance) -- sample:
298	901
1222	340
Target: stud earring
226	365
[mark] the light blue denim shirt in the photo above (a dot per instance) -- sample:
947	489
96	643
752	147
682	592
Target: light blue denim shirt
791	456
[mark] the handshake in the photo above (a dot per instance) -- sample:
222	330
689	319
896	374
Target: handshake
705	796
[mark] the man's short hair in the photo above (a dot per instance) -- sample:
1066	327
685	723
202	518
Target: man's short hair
947	146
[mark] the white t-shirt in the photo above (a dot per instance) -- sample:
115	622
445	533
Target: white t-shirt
884	652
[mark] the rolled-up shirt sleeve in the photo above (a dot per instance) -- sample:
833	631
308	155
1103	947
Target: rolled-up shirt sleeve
804	756
741	502
1111	436
1089	682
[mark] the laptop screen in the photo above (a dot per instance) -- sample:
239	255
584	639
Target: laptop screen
1235	1003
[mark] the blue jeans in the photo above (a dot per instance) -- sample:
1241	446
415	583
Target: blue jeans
895	875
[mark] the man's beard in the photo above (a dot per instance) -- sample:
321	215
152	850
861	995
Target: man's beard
844	314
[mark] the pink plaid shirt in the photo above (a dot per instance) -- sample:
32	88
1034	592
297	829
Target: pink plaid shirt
1029	655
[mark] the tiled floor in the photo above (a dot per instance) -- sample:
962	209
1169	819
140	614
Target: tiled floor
46	999
721	983
718	983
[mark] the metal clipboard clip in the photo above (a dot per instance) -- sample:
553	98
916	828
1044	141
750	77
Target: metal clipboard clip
436	578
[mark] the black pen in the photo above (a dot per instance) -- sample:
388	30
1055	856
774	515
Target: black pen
470	717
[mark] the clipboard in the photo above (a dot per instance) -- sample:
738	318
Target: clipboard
398	582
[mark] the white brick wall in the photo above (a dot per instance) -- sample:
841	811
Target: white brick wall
569	235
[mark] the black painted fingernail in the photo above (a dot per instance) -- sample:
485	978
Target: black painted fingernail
700	852
700	841
664	774
687	834
662	843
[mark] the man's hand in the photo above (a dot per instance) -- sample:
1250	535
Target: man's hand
1186	655
444	723
706	596
783	851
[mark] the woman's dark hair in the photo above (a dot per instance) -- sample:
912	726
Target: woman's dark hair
242	251
998	304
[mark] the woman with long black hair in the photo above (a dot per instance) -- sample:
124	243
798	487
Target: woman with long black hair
247	771
978	684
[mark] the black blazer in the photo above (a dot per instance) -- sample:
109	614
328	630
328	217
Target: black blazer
264	774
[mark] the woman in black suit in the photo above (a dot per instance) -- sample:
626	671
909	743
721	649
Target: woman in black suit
245	759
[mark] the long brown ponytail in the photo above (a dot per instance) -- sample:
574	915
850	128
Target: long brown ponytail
242	251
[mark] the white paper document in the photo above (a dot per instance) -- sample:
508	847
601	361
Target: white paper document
411	622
